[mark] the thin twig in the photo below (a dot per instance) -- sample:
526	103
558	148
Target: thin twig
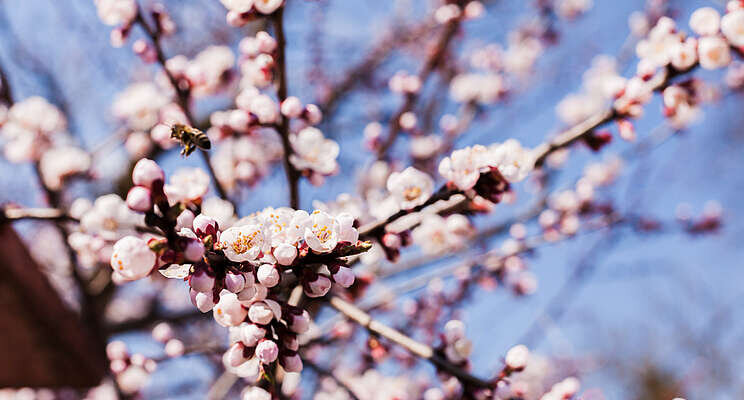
414	347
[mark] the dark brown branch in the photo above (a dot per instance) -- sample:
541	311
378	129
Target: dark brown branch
293	176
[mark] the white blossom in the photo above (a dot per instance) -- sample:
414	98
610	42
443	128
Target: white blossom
410	187
312	151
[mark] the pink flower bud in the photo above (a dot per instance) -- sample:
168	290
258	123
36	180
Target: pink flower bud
290	342
344	277
267	351
228	311
250	334
292	364
204	225
203	301
313	114
260	313
300	323
200	281
319	287
234	355
268	275
235	19
234	282
194	250
291	107
174	348
116	350
285	254
146	172
162	332
266	43
185	220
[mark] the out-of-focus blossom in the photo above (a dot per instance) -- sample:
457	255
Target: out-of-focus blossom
410	187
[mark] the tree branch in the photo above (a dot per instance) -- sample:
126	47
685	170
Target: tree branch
293	176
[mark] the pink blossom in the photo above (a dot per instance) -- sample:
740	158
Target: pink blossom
292	107
267	351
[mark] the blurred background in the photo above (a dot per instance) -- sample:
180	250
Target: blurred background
635	315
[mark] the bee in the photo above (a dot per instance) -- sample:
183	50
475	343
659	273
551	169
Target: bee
190	138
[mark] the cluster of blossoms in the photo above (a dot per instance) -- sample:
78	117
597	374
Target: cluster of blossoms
682	102
148	111
666	47
436	234
241	11
601	84
234	271
34	130
206	73
132	371
241	130
102	223
122	15
487	170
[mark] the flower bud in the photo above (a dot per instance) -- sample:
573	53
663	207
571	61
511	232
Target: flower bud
291	107
146	172
313	114
162	332
292	364
250	334
228	311
185	220
268	275
116	350
318	287
194	250
344	277
285	254
260	313
300	323
204	226
234	282
516	357
201	281
174	348
203	301
139	199
234	355
267	351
